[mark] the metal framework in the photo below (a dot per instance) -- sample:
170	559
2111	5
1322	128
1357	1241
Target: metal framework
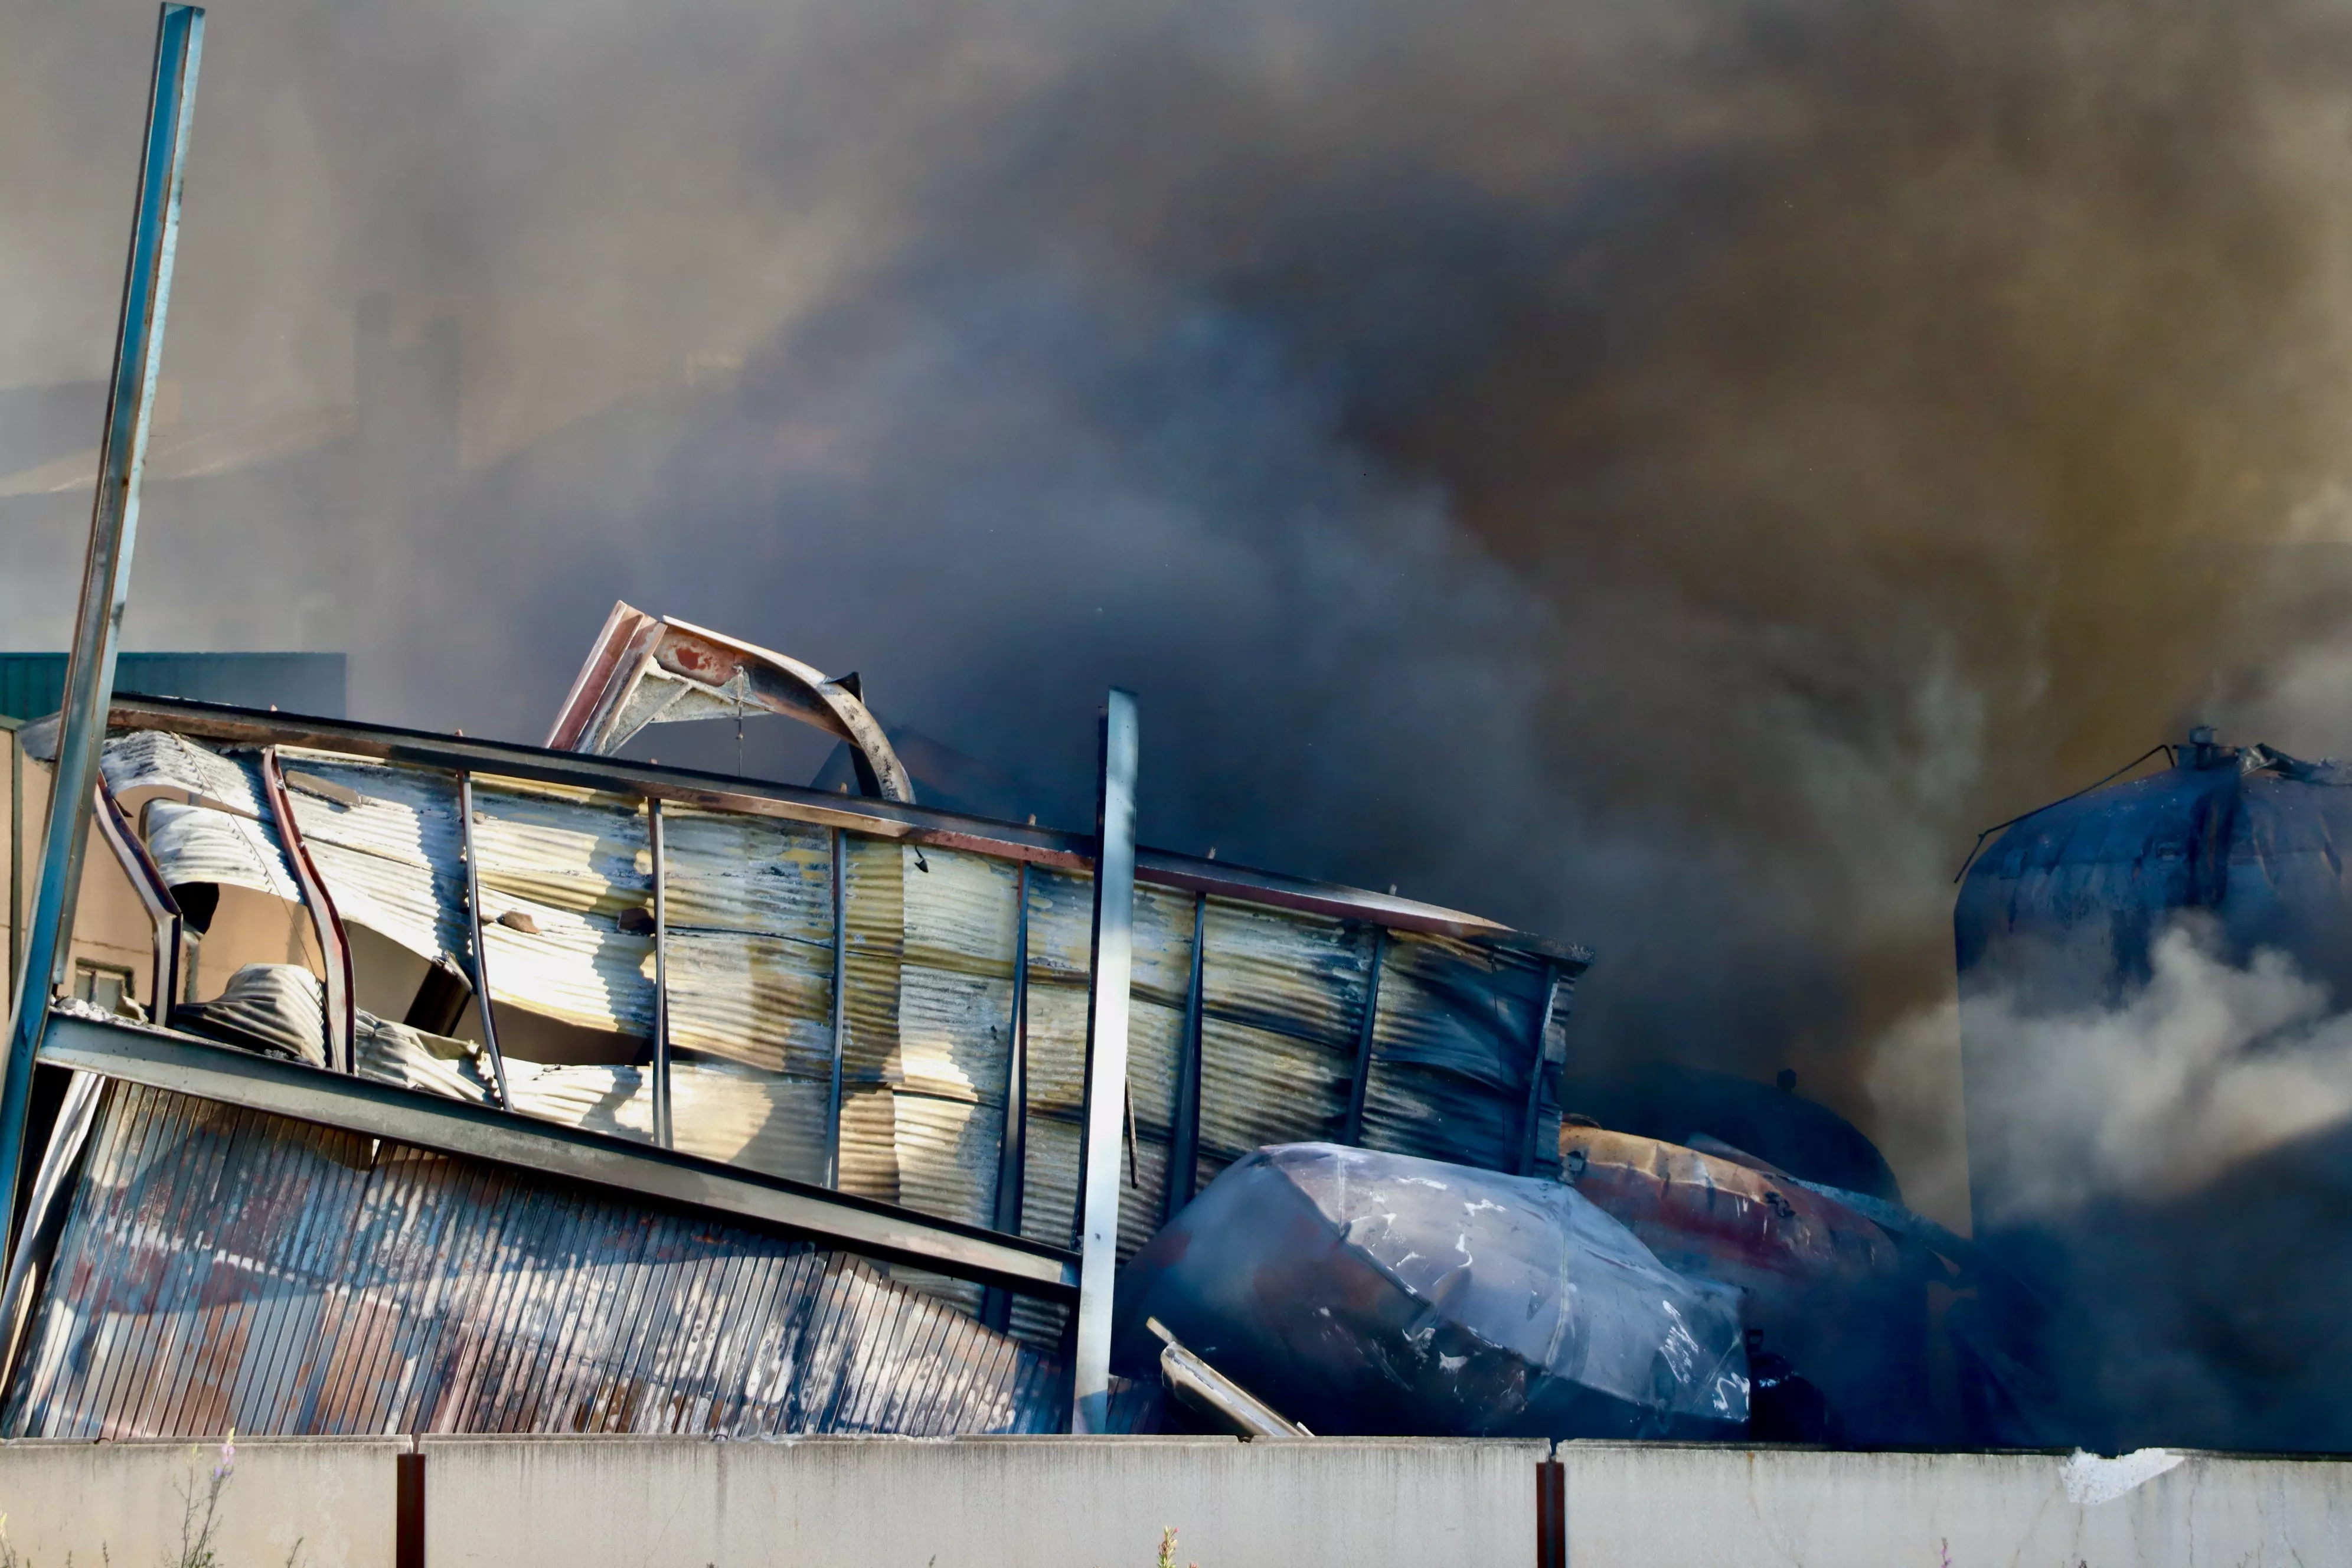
477	942
106	572
161	1058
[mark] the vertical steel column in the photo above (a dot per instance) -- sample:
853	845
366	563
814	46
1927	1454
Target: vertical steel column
1012	1143
1353	1132
1185	1139
664	1133
341	1008
1536	1068
106	573
481	942
1108	975
840	1017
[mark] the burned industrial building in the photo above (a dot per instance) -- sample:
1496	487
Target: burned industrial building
374	1080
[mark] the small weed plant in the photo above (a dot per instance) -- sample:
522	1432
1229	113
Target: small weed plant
199	1519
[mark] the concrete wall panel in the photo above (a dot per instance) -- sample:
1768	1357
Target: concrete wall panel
1647	1506
978	1502
122	1502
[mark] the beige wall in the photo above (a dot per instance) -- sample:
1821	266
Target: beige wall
121	1502
1101	1502
984	1502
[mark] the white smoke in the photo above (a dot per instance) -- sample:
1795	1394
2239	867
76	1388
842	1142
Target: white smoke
2204	1066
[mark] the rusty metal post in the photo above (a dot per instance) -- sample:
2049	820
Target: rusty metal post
1184	1138
480	941
1013	1141
1354	1132
1107	982
409	1512
106	573
1551	1514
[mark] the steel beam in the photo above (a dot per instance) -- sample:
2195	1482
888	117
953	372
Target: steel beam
183	1064
478	940
1108	976
1012	1139
163	915
1184	1138
664	1132
1353	1132
341	1008
106	572
1550	997
840	1015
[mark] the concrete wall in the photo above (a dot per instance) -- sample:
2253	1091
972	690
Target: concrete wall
1101	1503
1664	1507
987	1502
122	1502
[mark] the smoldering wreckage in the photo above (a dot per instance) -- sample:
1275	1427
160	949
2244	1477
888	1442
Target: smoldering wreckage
786	1103
367	1081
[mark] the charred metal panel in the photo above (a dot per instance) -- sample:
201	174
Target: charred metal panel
224	1269
1454	1051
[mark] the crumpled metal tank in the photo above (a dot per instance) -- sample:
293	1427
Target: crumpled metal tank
1826	1286
1366	1293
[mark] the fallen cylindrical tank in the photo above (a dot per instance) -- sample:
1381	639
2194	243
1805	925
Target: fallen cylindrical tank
1365	1293
1819	1284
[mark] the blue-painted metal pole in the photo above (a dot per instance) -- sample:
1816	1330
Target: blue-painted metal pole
1113	966
106	575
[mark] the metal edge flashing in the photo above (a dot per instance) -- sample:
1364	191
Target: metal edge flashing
162	1058
889	819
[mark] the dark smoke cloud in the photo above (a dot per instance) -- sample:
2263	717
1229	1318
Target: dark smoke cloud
1664	474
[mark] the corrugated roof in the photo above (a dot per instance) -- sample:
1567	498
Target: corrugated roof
222	1268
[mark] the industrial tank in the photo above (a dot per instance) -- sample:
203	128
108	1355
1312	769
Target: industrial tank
2194	1299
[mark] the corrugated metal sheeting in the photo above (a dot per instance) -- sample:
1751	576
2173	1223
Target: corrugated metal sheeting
925	945
221	1268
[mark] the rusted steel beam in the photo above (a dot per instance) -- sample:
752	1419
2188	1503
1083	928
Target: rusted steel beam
334	942
478	944
1107	982
923	825
164	914
133	1053
1353	1131
1184	1138
106	572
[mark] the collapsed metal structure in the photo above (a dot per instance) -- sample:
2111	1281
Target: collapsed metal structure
374	1079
